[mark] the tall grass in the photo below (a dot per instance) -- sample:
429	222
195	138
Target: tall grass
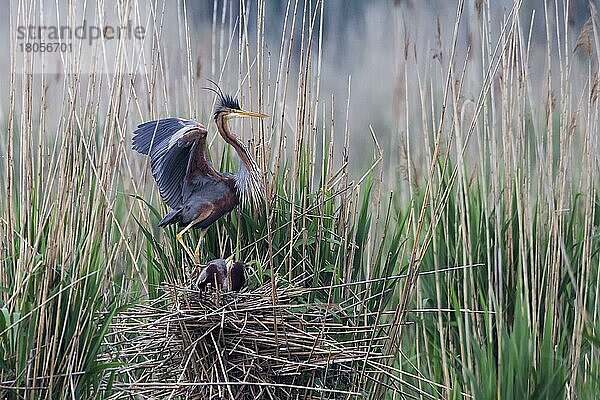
469	204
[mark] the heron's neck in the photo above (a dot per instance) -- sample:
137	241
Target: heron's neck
246	160
248	176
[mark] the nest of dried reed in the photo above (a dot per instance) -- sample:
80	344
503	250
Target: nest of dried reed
250	345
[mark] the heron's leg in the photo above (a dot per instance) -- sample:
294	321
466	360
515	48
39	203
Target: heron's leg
180	238
201	217
199	246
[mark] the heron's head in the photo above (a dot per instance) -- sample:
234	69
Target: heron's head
214	272
228	106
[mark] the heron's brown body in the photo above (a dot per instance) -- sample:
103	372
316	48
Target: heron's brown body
207	194
197	193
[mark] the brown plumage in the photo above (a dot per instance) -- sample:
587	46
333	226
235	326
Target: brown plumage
223	276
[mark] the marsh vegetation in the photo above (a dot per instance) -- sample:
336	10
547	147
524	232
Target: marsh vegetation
431	175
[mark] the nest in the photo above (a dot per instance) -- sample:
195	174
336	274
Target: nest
250	345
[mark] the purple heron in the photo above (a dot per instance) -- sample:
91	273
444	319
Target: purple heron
195	191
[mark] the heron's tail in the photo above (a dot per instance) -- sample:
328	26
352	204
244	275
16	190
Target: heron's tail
150	134
171	218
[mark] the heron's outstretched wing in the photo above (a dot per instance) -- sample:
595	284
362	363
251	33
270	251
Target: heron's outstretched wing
149	134
169	142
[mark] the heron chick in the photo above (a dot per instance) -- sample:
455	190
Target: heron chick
223	275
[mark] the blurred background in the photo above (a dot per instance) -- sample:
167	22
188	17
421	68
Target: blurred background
373	58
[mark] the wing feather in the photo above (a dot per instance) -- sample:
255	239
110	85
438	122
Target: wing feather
150	134
168	142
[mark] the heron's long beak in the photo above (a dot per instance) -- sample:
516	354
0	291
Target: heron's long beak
248	114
